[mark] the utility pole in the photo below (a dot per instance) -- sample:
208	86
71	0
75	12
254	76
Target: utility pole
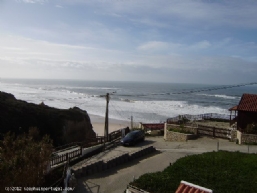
106	128
131	122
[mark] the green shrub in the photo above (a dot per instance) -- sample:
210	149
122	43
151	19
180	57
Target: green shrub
221	171
24	159
180	131
251	128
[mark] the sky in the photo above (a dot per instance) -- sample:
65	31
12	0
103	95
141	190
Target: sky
189	41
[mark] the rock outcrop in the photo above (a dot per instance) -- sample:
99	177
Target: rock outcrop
62	125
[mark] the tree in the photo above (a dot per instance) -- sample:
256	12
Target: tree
24	159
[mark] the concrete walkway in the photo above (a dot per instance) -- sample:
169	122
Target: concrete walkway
116	179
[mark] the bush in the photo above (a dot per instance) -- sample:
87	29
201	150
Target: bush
180	131
24	159
221	171
251	128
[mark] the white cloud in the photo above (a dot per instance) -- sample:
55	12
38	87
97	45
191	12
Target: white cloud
33	1
201	45
174	48
153	45
164	13
129	37
230	13
151	22
30	51
235	13
142	67
59	6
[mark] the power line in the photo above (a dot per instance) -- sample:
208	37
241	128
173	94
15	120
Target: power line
118	112
214	88
188	91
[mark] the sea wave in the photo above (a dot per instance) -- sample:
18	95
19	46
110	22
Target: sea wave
127	100
121	106
91	88
154	111
220	96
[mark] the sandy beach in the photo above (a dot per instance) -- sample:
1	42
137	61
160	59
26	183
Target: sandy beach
114	124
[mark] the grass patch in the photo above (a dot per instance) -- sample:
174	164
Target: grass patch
180	130
250	143
218	120
222	171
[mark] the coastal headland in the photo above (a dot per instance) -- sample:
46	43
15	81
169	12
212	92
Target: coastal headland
62	125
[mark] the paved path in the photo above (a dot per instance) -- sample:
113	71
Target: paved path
116	179
111	153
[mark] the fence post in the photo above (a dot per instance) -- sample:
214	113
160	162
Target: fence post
218	146
67	156
213	132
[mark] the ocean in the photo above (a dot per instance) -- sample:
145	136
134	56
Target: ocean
146	102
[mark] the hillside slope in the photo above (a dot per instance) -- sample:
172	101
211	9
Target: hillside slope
63	126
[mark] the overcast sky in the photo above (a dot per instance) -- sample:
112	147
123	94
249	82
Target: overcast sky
188	41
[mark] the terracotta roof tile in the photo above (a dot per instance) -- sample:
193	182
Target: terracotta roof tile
192	190
186	187
233	108
248	102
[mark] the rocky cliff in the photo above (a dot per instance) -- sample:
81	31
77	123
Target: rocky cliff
63	126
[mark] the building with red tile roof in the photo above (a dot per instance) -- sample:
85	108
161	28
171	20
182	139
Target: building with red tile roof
248	103
186	187
246	111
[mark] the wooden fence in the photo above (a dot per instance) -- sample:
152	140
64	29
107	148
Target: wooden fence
114	135
89	142
60	181
213	131
65	157
66	146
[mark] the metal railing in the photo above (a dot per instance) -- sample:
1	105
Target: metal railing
89	142
201	117
65	157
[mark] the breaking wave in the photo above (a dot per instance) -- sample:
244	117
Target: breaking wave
220	96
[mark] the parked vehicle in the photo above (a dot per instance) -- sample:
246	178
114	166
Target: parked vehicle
133	137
